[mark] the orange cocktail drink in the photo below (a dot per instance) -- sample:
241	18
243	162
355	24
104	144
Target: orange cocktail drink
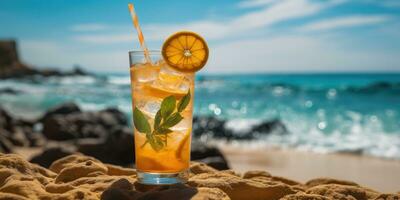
162	101
162	84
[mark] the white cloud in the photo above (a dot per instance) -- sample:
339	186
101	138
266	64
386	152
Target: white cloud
284	10
343	22
89	27
298	54
251	21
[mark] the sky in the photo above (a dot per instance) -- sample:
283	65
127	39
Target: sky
244	36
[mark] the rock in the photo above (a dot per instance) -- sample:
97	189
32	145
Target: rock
324	181
211	155
256	173
35	139
111	117
8	53
185	193
117	148
335	191
7	140
10	131
237	188
12	164
121	189
218	128
67	123
285	180
376	87
387	197
5	145
63	109
210	126
114	170
78	71
24	130
29	181
124	190
6	121
92	131
9	91
199	168
216	162
18	138
58	128
268	127
49	155
12	67
89	168
302	196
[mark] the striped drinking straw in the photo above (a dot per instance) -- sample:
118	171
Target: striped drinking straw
139	31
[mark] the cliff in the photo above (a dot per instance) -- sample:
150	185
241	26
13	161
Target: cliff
12	67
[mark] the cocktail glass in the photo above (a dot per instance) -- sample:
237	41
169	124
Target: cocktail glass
162	102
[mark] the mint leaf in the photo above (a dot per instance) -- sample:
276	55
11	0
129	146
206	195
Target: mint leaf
168	106
157	120
163	130
172	120
184	102
155	143
140	122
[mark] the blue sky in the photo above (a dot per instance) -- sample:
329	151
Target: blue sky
243	35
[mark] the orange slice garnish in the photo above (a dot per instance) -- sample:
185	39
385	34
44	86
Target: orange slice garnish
185	51
183	145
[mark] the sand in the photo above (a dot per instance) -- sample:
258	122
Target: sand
380	174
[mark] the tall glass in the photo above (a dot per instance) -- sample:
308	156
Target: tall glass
162	102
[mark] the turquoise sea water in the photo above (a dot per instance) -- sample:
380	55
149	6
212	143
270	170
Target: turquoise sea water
323	112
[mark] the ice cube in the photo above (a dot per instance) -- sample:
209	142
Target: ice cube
149	108
145	73
183	125
184	85
172	80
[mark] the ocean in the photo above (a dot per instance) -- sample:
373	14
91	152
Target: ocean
322	112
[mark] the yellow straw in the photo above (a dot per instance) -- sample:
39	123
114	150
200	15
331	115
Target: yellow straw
139	31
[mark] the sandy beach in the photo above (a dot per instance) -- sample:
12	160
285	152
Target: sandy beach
377	173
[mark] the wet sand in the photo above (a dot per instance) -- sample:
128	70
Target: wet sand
380	174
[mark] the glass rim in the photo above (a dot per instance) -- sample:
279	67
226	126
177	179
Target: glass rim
152	51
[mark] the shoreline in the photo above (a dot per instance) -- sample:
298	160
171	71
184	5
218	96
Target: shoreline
373	172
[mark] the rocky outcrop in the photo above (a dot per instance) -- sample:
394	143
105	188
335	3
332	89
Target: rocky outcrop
17	132
12	67
74	125
208	154
10	64
81	177
9	91
66	129
217	128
